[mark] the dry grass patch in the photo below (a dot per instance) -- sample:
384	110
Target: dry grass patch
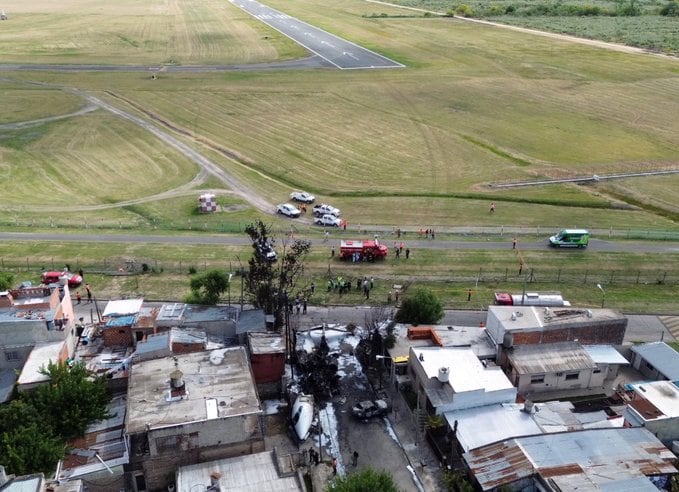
129	32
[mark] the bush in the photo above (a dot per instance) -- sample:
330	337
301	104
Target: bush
670	9
422	307
464	10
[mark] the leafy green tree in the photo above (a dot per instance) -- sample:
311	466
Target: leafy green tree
366	480
423	307
207	287
26	445
71	400
6	280
271	284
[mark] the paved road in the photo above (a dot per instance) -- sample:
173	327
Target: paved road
594	245
339	52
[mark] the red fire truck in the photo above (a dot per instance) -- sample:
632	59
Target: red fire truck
362	250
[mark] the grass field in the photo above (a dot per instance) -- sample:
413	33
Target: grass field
413	147
129	32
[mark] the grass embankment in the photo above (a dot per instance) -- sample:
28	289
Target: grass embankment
639	286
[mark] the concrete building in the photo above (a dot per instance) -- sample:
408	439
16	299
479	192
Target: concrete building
451	378
656	360
513	326
655	406
34	318
249	473
537	370
189	409
267	357
597	459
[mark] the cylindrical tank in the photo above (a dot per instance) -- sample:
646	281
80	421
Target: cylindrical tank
444	374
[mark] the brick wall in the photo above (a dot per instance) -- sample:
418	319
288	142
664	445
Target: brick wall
116	336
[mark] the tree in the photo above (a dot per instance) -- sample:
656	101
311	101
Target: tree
271	283
365	480
207	287
26	445
71	400
6	280
422	307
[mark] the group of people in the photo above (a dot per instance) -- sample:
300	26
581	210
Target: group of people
428	233
398	249
79	297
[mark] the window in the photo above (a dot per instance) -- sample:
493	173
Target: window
537	379
559	374
648	364
572	376
12	355
596	371
167	444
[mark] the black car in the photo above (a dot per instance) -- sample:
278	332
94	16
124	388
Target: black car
370	408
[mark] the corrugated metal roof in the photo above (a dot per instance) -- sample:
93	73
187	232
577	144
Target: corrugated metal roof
118	321
621	453
663	357
549	358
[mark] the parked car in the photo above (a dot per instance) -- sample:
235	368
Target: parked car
74	280
370	408
288	209
324	208
328	220
302	197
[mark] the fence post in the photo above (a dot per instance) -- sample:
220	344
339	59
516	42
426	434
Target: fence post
506	273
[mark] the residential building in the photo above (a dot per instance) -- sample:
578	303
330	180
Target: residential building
248	473
453	378
34	318
267	358
189	409
596	459
541	369
655	406
656	360
513	326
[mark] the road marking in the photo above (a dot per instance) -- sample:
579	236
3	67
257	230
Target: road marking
672	324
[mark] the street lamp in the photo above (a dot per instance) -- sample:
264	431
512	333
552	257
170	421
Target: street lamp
603	294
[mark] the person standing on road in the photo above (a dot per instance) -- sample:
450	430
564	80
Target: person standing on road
354	458
89	293
514	243
78	297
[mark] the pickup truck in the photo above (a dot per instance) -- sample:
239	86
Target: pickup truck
325	209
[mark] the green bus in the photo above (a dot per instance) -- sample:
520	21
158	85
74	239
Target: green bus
571	238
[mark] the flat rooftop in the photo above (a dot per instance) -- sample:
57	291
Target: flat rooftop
466	372
656	400
529	317
452	336
218	384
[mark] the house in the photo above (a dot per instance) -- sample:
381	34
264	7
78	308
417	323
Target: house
190	409
119	318
248	473
656	360
537	370
35	483
480	426
34	318
655	406
99	455
595	459
452	378
513	326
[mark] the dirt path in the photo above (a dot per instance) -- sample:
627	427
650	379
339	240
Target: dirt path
27	124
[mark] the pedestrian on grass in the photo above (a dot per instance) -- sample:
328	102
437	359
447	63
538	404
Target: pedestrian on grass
407	253
313	288
372	281
469	295
89	293
389	298
332	252
492	207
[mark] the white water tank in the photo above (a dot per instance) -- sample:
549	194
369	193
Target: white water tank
528	406
444	374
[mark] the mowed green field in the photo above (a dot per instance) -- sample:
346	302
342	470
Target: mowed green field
417	146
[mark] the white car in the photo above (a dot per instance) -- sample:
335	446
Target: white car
324	208
302	197
288	209
328	220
